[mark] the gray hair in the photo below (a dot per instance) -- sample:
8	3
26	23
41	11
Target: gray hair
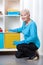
25	10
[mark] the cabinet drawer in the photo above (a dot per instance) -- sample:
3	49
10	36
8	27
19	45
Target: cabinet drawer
9	38
1	40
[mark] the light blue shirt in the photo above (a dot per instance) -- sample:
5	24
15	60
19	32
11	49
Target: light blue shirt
30	33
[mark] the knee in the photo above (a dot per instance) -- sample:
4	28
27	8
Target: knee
18	46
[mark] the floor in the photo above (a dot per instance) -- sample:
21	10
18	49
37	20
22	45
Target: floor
12	60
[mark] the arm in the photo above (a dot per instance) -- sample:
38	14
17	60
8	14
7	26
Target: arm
17	29
33	34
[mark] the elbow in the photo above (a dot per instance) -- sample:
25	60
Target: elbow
33	37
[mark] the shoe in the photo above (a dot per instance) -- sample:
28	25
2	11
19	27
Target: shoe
34	57
37	54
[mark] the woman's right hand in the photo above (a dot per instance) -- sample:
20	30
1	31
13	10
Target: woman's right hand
6	30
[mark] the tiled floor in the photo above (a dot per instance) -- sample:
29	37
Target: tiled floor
12	60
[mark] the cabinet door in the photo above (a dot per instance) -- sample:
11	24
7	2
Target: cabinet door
9	39
1	40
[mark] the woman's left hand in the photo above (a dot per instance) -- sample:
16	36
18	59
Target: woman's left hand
16	42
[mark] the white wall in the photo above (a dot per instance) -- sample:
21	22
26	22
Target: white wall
1	24
36	12
1	6
41	8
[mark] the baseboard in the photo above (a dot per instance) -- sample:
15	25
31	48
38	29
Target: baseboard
7	51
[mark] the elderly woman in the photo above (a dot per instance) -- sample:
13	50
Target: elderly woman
30	44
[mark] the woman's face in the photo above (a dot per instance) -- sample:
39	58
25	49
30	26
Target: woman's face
25	16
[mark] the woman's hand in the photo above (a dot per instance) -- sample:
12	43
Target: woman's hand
6	30
16	42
